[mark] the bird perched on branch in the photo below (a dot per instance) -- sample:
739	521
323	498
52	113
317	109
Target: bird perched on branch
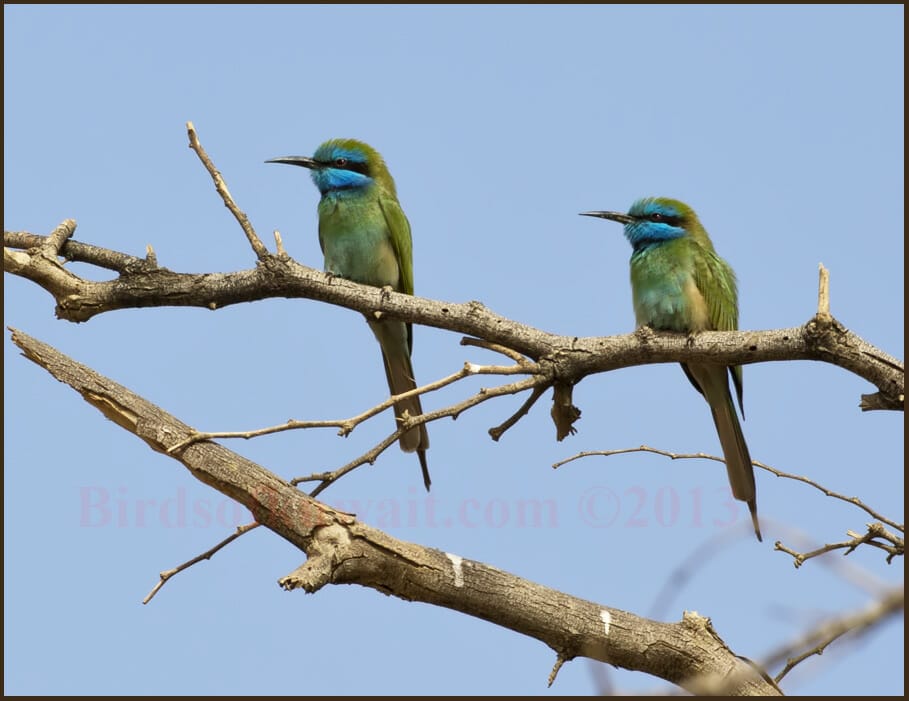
679	283
365	237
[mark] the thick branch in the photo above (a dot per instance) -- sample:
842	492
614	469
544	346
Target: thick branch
342	550
77	252
572	358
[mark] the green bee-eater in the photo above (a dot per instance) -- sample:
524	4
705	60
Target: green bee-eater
365	237
679	283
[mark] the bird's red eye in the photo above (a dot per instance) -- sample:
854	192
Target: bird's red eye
340	162
656	216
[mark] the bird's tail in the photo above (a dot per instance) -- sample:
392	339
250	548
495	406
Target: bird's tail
711	380
392	337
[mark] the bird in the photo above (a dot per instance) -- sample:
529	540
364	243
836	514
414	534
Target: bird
680	283
365	237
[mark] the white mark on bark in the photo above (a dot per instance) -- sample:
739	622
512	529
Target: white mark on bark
458	572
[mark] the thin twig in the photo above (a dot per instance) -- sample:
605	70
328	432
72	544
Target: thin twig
560	660
204	556
823	292
639	449
496	431
279	244
290	425
695	562
855	501
346	426
819	639
453	411
326	479
59	236
875	530
257	246
496	348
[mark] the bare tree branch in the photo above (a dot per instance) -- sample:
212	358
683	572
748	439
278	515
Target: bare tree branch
207	555
875	531
346	426
822	338
816	642
823	293
495	347
855	501
257	245
77	252
496	432
452	411
568	358
342	550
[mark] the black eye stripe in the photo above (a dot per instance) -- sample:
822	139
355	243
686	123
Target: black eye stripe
347	164
664	218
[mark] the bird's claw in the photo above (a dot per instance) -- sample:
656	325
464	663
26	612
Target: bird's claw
644	333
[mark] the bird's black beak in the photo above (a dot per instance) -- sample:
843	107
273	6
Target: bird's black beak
614	216
304	161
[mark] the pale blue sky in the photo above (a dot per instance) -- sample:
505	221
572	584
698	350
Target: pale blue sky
782	126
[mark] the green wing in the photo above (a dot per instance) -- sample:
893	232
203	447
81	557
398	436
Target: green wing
717	283
399	228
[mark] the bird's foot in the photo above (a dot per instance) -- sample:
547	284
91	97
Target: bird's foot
332	276
644	333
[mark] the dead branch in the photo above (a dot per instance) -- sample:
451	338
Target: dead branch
876	531
207	555
452	411
251	236
346	426
855	501
342	550
569	358
873	536
815	642
143	284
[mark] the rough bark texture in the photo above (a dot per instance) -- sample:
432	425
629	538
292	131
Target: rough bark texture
566	359
342	550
